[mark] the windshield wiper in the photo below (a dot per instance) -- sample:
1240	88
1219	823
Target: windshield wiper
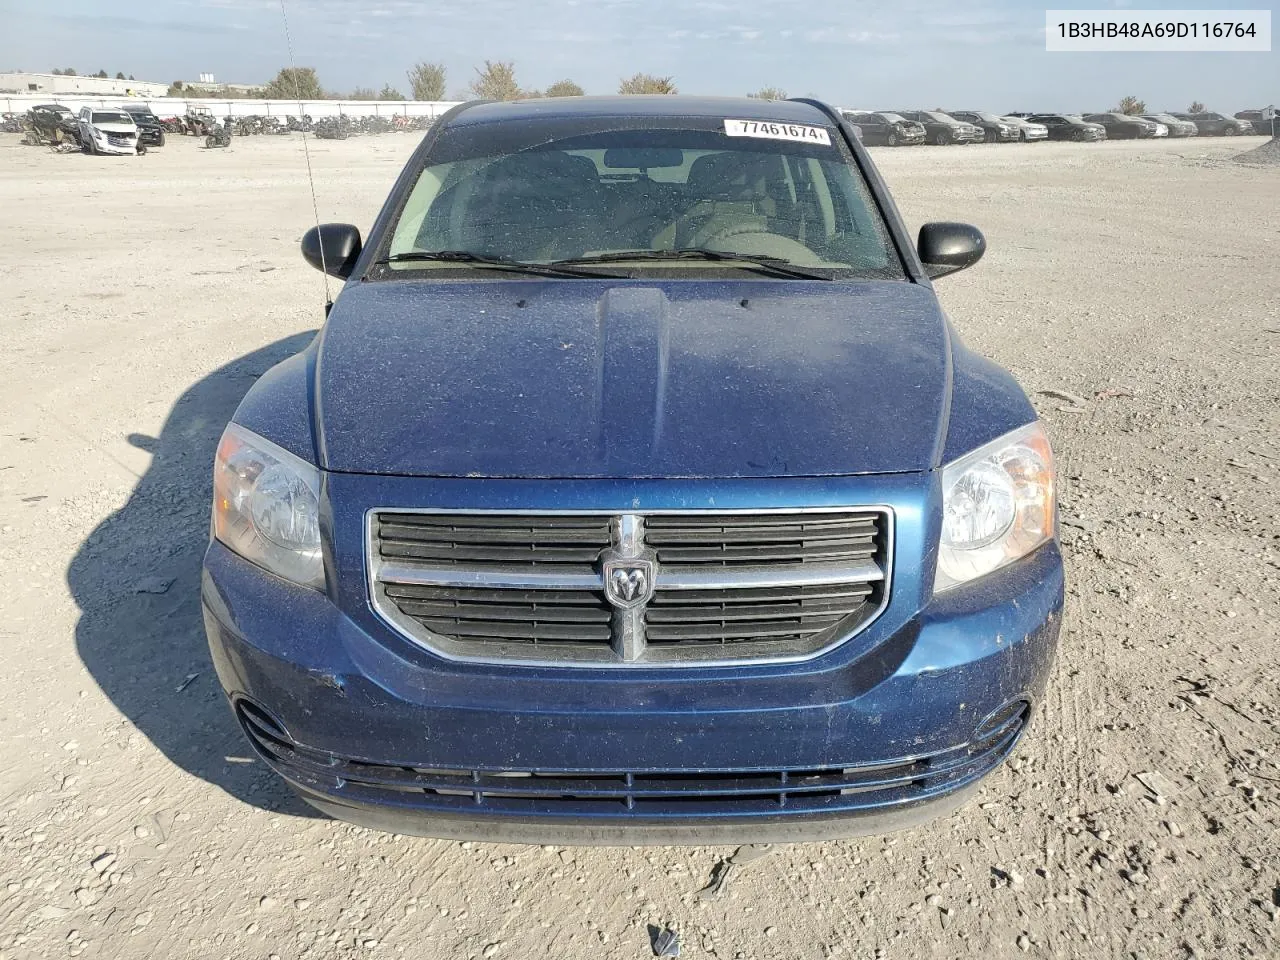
776	266
469	258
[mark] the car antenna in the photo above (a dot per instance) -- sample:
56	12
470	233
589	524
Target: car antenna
306	152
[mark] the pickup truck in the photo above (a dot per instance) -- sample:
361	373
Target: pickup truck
637	489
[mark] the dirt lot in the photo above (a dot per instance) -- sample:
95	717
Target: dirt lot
142	297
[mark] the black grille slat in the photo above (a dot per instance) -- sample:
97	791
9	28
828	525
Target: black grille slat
662	523
417	591
415	533
692	613
478	521
551	613
734	631
452	553
765	554
536	630
762	594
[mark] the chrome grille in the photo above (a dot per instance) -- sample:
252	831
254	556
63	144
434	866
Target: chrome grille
597	589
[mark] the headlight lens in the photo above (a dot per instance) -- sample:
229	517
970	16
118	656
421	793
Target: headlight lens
998	505
266	506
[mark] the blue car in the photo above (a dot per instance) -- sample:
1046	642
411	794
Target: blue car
636	490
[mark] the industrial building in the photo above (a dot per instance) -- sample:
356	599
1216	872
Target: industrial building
54	85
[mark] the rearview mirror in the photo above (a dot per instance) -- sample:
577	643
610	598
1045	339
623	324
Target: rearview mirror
332	248
947	247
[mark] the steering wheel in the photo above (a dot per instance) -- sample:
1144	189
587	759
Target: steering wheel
738	230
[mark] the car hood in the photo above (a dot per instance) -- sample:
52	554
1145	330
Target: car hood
115	127
586	378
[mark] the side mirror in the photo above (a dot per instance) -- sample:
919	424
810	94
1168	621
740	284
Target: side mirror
947	247
332	248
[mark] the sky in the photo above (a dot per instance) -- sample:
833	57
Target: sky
987	54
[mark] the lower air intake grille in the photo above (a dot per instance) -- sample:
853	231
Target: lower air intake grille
632	794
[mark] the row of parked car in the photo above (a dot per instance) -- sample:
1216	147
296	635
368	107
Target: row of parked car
905	128
128	129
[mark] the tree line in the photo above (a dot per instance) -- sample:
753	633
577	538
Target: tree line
1134	107
496	80
100	75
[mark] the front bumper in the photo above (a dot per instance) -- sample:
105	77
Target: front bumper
897	724
117	149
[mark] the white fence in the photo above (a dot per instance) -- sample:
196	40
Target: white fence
177	107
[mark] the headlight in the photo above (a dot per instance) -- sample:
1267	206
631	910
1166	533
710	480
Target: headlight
997	506
266	506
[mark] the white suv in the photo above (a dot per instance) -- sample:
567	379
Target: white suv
108	131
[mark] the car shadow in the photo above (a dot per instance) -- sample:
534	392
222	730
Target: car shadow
136	580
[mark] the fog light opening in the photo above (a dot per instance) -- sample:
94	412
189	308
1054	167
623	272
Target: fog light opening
1006	721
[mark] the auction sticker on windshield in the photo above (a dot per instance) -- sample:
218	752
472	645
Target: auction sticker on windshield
771	130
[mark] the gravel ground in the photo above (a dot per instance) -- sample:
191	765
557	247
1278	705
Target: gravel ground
1140	818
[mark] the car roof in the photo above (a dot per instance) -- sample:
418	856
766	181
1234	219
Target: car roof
738	108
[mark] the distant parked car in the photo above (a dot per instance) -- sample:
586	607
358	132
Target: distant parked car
108	131
885	129
1254	118
995	129
942	128
1068	126
1027	129
1176	127
150	130
1121	126
1217	125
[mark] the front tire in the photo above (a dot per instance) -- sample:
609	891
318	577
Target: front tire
942	139
1229	132
160	141
891	140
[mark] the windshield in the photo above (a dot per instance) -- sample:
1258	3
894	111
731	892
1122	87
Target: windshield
938	117
894	117
105	116
599	187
